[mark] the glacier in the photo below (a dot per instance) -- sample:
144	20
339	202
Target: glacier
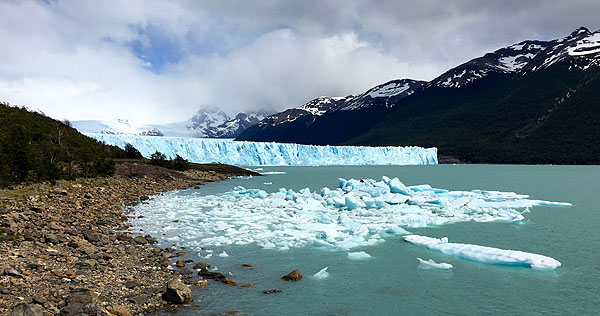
358	213
484	254
205	150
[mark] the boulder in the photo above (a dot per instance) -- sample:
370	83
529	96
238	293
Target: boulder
177	293
140	240
201	265
25	309
295	275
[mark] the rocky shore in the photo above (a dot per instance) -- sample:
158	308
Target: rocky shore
63	250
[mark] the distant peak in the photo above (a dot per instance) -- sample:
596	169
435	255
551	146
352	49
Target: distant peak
579	31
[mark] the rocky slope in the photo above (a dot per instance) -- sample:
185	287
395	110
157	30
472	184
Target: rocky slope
63	249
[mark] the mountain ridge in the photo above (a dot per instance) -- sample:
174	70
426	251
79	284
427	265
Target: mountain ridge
507	96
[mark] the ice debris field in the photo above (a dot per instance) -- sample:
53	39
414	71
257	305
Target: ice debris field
203	150
356	214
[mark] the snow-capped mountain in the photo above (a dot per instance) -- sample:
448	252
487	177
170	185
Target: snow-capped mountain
524	57
206	123
531	102
377	96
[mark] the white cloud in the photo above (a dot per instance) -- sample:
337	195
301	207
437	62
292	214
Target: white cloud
72	59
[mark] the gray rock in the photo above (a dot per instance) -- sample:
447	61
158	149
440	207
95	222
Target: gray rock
131	284
60	191
178	293
25	309
91	235
140	240
13	273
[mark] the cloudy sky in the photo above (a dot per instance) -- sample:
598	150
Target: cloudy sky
159	61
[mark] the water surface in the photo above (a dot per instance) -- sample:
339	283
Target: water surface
390	282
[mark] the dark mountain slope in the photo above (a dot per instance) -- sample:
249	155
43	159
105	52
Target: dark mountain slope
549	116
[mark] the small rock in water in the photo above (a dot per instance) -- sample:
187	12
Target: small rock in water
201	283
250	266
295	275
247	285
272	291
201	265
177	293
180	263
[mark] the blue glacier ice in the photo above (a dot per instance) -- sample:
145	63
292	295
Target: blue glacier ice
203	150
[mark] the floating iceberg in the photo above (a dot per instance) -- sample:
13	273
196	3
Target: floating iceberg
223	254
361	255
430	264
322	274
358	213
484	254
202	150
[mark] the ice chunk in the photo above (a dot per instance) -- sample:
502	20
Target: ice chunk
484	254
322	274
223	254
430	264
203	150
361	255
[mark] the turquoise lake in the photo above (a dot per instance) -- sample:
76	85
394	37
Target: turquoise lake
389	283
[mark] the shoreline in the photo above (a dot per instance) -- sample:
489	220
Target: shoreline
63	249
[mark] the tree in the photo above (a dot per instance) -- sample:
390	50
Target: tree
131	152
180	164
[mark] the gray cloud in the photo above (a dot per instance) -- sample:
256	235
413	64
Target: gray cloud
86	59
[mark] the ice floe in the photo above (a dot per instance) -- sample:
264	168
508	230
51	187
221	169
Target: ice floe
430	264
322	274
361	255
484	254
357	213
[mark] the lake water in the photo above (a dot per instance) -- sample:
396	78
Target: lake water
390	283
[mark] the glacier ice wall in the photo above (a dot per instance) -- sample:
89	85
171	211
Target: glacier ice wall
202	150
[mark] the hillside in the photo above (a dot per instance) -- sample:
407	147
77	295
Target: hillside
34	147
531	102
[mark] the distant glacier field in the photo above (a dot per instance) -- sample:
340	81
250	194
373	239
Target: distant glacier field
203	150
